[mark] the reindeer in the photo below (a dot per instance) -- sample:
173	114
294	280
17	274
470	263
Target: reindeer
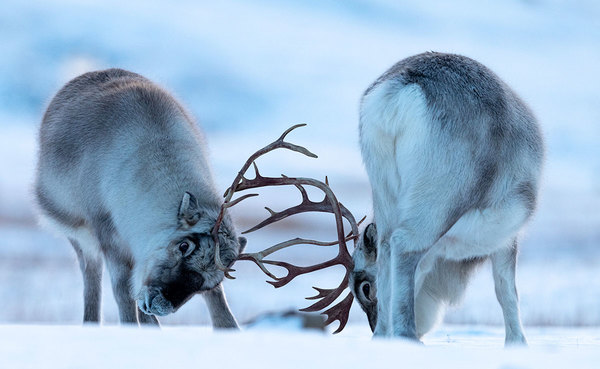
123	174
454	159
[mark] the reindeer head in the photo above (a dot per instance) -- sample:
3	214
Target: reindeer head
187	266
362	279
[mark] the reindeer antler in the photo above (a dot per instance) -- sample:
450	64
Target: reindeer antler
329	204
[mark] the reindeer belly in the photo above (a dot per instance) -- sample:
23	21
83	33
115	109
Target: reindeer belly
480	233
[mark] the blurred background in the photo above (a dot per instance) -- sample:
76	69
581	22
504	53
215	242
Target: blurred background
247	70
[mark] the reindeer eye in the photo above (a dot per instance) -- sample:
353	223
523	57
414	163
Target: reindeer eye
183	247
365	288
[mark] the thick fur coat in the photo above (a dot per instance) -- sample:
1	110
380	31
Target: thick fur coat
454	159
123	174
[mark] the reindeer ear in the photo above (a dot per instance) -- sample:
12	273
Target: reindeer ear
242	241
189	213
370	240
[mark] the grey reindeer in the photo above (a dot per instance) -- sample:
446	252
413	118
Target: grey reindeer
454	158
123	174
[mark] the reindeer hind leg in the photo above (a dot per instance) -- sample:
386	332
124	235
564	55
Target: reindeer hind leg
91	270
504	268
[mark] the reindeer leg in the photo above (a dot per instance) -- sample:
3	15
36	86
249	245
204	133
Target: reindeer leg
504	266
91	269
220	314
120	273
422	225
404	265
146	319
383	282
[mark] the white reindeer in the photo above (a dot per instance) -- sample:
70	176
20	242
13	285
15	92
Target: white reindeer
123	174
454	158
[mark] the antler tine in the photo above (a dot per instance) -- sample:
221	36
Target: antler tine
361	220
339	312
327	296
215	234
287	131
219	264
238	200
291	146
295	241
256	172
277	144
258	257
302	190
307	205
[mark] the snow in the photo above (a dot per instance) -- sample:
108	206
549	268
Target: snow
249	70
455	347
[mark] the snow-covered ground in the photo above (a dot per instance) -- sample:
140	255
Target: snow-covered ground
248	70
196	347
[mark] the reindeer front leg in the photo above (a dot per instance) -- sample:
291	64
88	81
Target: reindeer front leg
384	291
396	292
403	265
220	314
403	245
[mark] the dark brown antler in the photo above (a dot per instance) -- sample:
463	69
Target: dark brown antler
329	204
